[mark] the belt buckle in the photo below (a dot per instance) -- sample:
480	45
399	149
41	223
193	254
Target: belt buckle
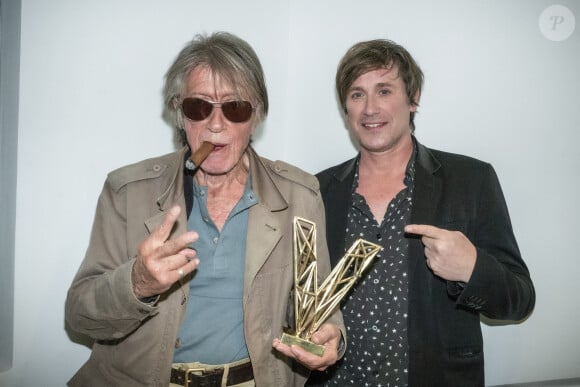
191	371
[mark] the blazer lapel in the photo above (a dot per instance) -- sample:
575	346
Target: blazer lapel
427	193
338	196
427	187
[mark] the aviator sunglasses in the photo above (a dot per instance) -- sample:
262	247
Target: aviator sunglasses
197	109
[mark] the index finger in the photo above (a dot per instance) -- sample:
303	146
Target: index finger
425	230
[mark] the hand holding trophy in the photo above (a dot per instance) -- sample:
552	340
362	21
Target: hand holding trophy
313	304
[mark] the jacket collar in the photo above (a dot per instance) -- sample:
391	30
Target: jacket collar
424	158
427	186
347	170
172	166
263	184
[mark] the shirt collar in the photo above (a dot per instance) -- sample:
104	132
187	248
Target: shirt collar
409	171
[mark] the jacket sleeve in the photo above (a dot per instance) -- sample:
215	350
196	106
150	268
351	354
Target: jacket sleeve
500	286
323	264
100	302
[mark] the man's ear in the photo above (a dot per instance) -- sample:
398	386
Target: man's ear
175	102
415	102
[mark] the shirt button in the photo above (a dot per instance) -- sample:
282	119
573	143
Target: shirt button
215	240
205	219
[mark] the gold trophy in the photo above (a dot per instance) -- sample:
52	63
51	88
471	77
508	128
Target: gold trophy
314	304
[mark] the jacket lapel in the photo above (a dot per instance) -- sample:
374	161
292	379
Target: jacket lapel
264	228
427	193
338	194
427	187
173	194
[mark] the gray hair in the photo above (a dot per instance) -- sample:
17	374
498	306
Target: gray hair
227	56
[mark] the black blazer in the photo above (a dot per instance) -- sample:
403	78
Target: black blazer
457	193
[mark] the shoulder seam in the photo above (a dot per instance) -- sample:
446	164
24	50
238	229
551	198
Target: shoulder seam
294	174
142	170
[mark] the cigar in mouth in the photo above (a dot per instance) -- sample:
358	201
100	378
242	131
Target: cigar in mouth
199	155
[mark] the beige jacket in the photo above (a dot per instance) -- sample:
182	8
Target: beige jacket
134	342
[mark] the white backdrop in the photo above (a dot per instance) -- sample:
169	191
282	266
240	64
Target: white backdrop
496	88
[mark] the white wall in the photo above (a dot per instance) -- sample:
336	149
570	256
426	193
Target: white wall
496	88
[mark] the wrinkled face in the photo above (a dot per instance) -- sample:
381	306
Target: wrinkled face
230	138
378	110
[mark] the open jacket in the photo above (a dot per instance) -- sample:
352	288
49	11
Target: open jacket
134	341
459	193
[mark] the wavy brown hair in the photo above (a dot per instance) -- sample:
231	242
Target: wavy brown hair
377	54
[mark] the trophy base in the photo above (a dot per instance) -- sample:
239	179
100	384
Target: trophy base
308	346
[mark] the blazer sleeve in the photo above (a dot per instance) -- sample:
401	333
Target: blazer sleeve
500	286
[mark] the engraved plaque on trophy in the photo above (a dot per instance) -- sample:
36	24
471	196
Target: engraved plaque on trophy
313	304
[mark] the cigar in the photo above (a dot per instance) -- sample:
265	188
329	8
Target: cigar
199	155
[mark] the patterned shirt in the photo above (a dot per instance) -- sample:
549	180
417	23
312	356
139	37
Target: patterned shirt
375	310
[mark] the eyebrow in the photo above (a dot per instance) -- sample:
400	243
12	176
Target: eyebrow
353	88
211	98
385	84
376	86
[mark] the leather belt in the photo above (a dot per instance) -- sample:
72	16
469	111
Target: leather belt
201	377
